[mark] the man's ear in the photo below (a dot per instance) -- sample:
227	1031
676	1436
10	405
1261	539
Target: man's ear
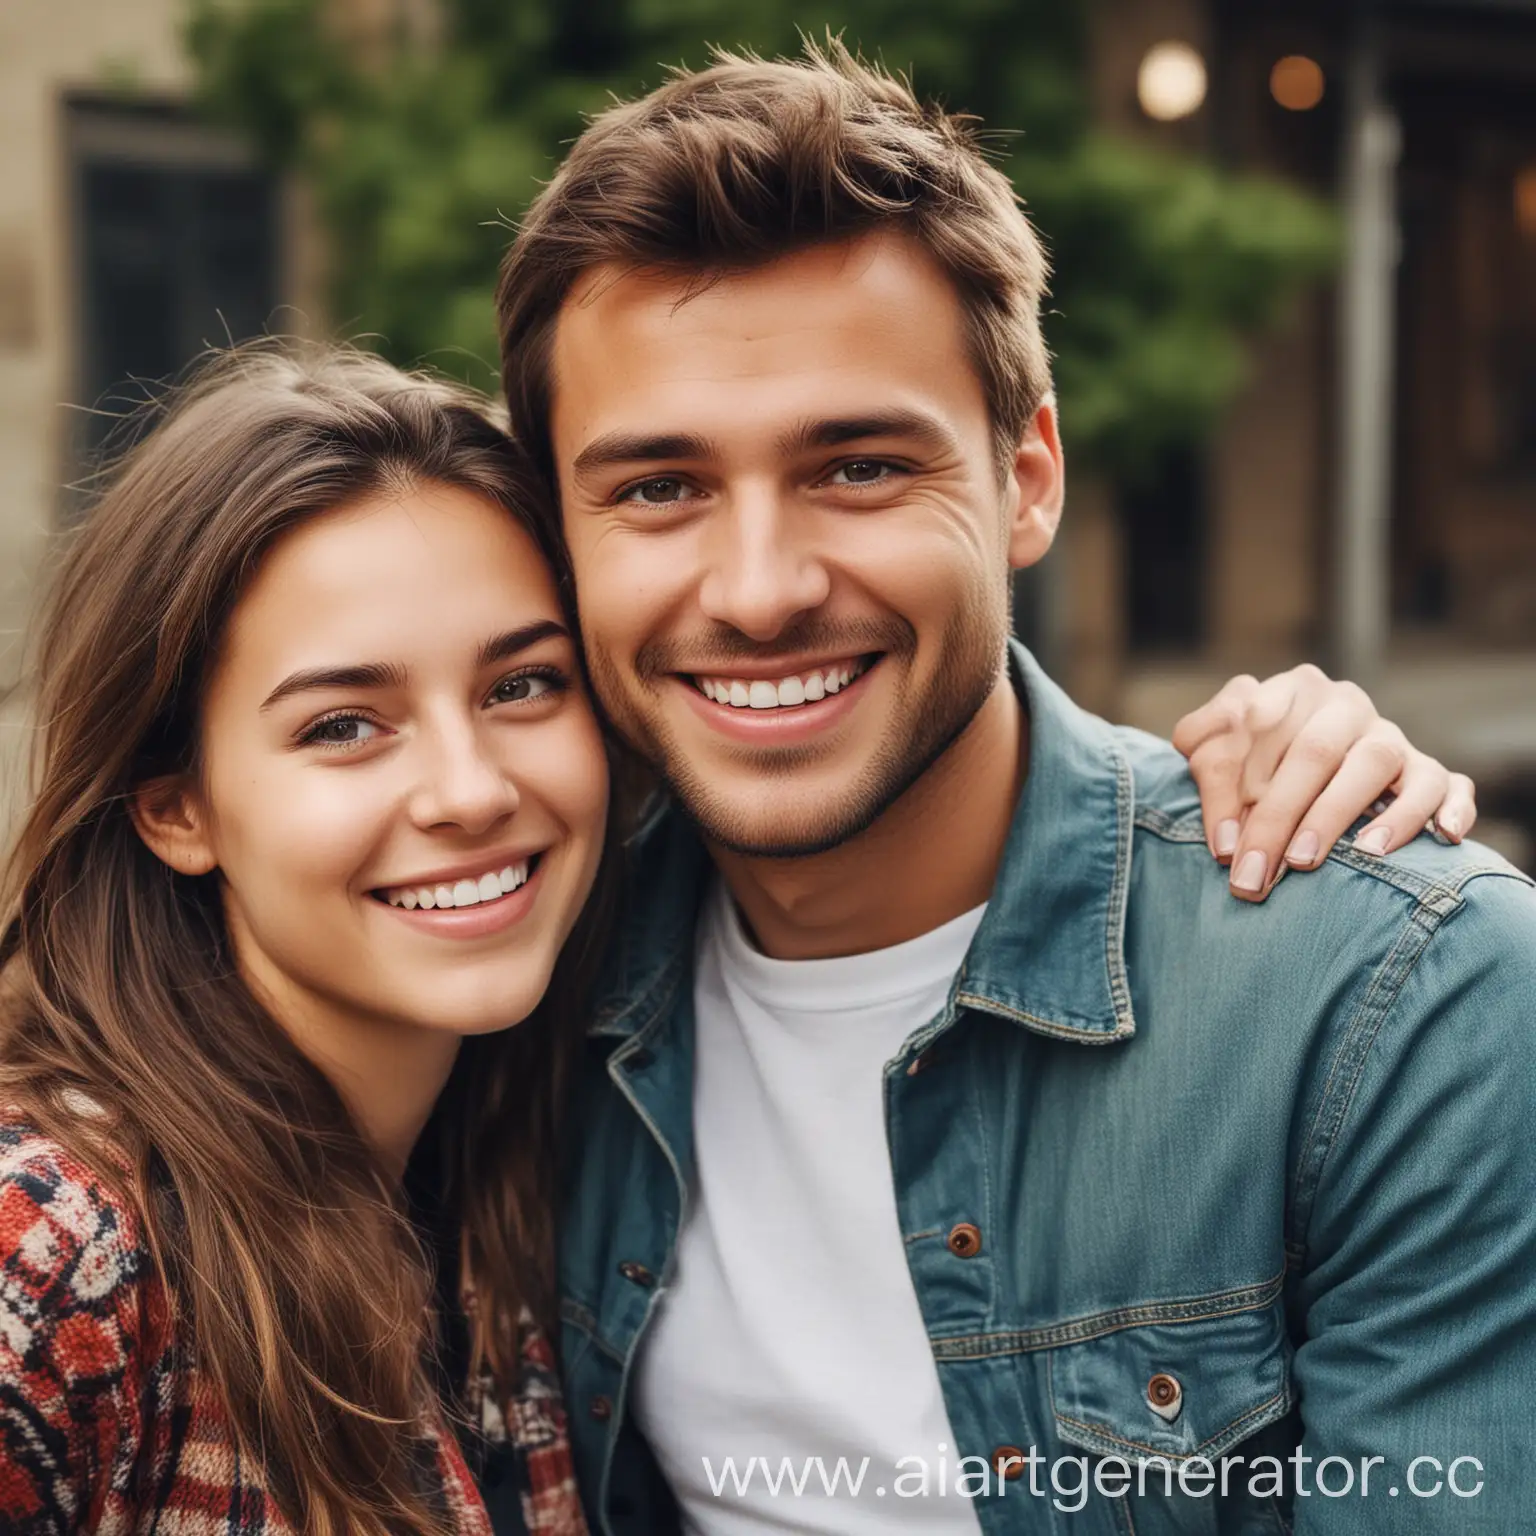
169	816
1037	479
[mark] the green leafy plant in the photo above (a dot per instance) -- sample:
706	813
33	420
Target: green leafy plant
421	148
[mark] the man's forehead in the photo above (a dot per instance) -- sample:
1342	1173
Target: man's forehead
843	262
819	321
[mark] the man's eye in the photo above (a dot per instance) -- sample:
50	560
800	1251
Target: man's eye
340	731
665	491
861	472
523	688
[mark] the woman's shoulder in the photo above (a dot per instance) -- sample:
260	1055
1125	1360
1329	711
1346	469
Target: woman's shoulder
74	1263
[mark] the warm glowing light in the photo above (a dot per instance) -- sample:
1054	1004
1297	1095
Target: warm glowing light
1525	200
1171	82
1297	82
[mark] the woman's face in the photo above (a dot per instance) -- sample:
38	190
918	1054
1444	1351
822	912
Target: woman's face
403	785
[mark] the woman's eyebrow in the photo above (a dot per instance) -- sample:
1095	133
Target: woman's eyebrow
367	674
512	641
390	674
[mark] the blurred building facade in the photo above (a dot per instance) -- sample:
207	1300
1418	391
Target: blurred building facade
1370	500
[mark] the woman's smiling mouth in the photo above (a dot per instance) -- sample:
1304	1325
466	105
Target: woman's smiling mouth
466	907
468	891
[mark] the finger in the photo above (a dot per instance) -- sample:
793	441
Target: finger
1217	769
1458	811
1276	714
1366	776
1318	790
1220	716
1420	794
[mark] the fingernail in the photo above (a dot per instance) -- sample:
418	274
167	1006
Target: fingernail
1450	826
1374	840
1304	849
1226	839
1250	872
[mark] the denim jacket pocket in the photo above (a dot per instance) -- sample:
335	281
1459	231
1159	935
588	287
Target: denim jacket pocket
1164	1394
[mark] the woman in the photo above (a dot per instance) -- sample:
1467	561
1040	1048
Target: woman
322	807
321	801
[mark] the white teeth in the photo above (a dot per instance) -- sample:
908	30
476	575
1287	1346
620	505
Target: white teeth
463	893
786	693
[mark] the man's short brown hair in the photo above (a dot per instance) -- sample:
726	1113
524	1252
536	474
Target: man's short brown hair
748	160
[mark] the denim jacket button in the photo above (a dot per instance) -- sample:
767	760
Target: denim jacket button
637	1273
965	1241
601	1409
1165	1397
1008	1462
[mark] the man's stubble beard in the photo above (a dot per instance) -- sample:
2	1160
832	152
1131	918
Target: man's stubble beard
969	667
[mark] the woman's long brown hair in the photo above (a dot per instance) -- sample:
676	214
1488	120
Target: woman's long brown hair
126	1031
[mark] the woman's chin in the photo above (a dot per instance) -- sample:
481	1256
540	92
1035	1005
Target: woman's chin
491	1005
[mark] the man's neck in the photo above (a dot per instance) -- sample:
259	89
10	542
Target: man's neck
931	856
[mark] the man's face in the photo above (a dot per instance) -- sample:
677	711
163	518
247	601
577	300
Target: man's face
790	534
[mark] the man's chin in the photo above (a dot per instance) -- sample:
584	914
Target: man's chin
775	820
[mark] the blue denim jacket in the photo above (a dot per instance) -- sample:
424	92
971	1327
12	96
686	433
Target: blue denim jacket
1247	1178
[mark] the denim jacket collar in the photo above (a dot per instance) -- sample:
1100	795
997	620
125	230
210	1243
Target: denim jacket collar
1050	951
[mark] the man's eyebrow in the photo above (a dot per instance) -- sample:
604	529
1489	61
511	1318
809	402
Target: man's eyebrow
390	674
834	432
640	448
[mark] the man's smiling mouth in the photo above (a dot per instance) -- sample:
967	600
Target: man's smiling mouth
788	692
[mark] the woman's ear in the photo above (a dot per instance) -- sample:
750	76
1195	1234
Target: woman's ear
169	816
1038	473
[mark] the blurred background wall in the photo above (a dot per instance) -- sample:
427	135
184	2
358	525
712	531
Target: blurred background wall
1294	310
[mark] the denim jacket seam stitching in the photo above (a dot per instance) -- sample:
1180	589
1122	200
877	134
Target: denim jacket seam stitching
1254	1298
1351	1058
986	1179
1114	936
1181	1457
1086	1033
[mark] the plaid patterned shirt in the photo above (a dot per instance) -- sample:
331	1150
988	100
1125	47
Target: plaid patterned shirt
106	1427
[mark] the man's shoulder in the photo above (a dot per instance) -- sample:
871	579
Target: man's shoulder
1427	874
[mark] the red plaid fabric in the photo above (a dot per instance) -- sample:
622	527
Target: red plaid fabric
105	1424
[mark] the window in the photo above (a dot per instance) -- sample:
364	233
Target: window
176	249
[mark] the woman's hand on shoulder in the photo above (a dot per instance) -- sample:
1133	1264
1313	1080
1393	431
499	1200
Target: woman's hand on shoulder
1286	766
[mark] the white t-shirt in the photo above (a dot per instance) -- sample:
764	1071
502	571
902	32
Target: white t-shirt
791	1332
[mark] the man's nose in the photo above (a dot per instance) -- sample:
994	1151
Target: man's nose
461	782
763	568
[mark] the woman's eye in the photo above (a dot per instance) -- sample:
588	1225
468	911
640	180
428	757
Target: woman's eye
520	690
664	491
341	731
861	472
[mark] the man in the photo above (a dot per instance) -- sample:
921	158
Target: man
954	1154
